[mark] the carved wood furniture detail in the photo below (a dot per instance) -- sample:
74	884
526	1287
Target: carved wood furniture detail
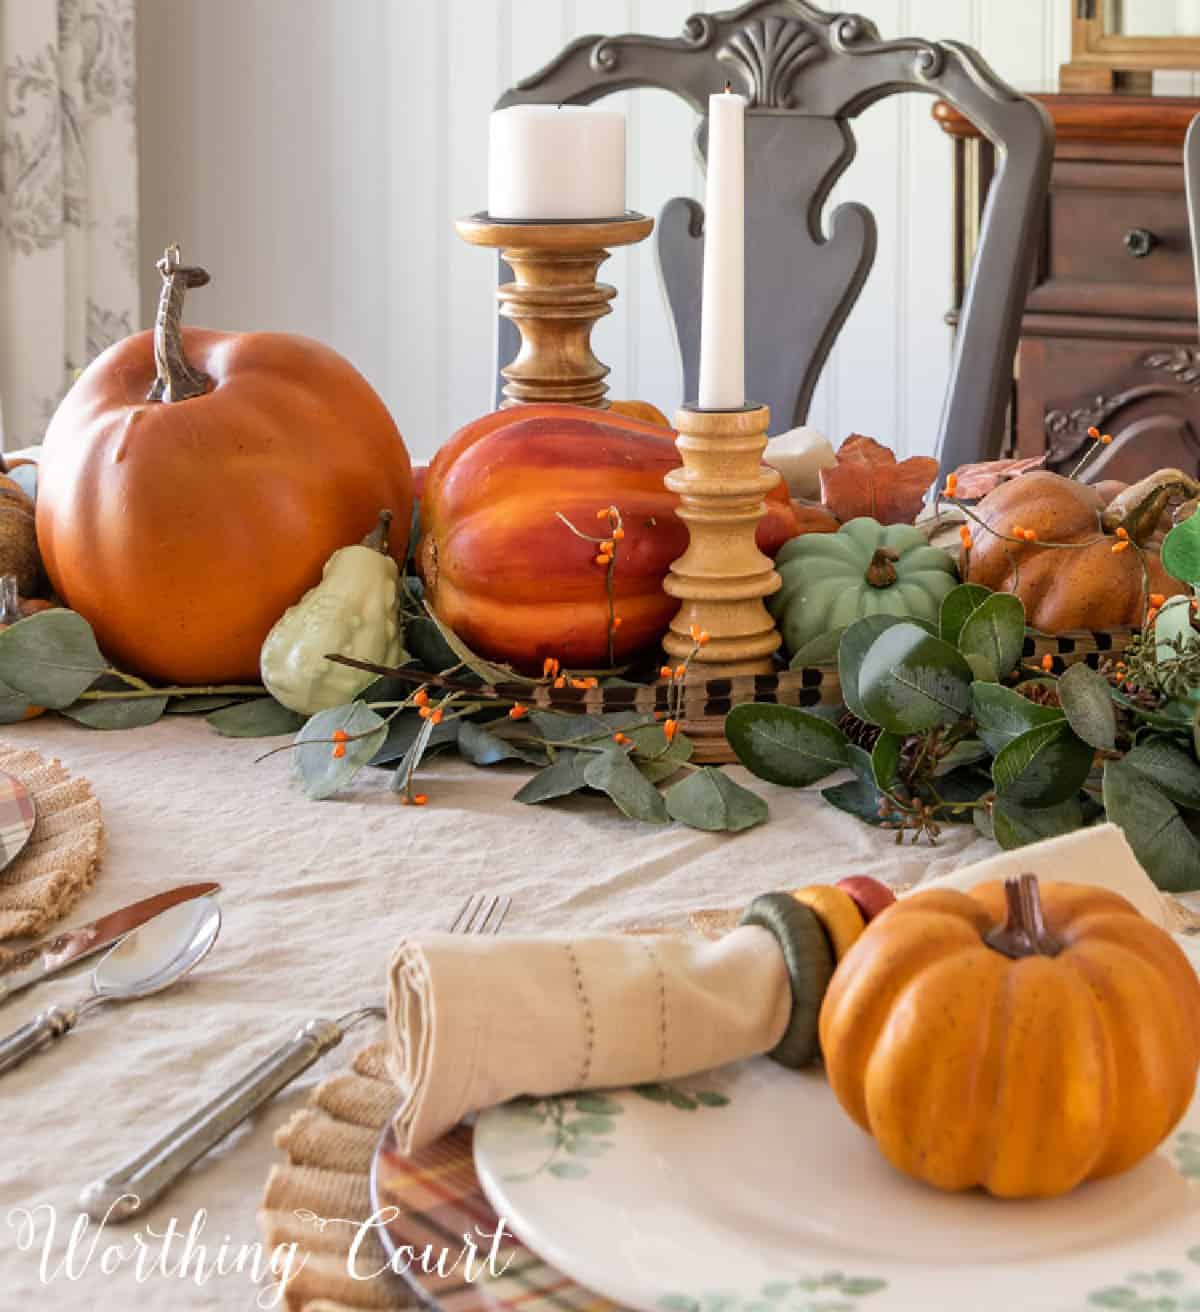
807	73
1109	334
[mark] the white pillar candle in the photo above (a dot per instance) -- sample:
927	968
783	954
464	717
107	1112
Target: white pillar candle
556	162
723	309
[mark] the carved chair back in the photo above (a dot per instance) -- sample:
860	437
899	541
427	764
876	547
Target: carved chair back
806	74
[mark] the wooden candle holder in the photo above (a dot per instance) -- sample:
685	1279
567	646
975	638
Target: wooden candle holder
554	300
722	577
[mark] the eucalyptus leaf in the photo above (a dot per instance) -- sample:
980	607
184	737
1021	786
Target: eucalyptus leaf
961	789
263	717
859	797
658	757
481	747
320	772
13	705
957	605
1173	715
965	752
403	773
1043	767
1014	825
611	771
200	705
995	632
116	712
1173	630
709	799
821	650
856	642
1001	714
51	657
429	649
488	671
1171	769
1163	844
562	778
564	727
909	681
1181	550
404	730
982	669
885	759
784	744
1087	703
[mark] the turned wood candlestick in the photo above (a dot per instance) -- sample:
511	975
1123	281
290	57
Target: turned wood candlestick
554	300
722	577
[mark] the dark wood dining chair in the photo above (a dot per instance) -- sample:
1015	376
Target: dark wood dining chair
807	75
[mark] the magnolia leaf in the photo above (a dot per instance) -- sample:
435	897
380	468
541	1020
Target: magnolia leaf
1163	844
885	760
860	797
785	745
977	480
313	761
1087	703
910	681
565	776
1043	767
821	650
51	658
856	642
656	756
611	771
481	747
1171	769
1002	714
709	799
405	729
1181	550
116	712
957	605
263	717
868	480
995	632
1014	825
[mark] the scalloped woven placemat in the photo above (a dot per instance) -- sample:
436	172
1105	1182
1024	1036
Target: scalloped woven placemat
59	862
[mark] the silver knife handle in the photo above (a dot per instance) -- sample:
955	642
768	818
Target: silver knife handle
135	1185
37	1034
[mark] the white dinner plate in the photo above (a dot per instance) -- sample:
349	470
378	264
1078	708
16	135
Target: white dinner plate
749	1190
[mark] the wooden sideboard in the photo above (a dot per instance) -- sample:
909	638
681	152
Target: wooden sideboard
1109	336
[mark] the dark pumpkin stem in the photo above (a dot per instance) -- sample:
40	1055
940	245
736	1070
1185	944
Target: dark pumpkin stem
1137	510
176	379
881	572
377	539
1024	933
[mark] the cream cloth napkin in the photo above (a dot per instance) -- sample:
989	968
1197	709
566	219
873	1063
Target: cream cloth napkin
476	1021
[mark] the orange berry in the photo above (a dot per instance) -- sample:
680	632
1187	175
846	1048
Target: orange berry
1120	546
1030	535
666	672
951	485
549	667
694	631
1123	534
581	683
603	560
602	514
420	799
608	546
1157	599
670	729
1047	662
680	671
618	535
561	681
421	697
589	683
425	712
617	621
621	739
704	638
967	541
518	712
339	751
1105	439
1093	432
436	717
340	736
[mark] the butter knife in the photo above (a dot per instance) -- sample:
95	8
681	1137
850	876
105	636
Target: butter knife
51	955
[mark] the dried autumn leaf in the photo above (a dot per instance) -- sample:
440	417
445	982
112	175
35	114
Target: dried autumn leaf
868	480
975	481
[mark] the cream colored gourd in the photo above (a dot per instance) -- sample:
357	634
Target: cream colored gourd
353	611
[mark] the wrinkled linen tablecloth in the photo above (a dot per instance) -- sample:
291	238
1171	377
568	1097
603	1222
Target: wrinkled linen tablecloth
316	895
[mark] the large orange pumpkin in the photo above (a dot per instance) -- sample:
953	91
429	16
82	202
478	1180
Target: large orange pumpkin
1088	585
183	529
1068	1060
505	572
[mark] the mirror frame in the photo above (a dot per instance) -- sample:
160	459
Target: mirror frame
1101	61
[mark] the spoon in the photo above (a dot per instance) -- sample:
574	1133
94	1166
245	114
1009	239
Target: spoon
151	958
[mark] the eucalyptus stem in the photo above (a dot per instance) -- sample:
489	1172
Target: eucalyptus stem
142	689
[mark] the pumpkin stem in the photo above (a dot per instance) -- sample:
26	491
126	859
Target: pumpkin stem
176	379
881	572
1137	510
377	539
1024	933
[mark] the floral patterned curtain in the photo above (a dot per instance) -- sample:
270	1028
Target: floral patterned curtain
68	199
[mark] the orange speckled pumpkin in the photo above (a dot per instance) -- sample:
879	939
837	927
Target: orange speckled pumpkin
1088	587
1068	1060
183	529
512	579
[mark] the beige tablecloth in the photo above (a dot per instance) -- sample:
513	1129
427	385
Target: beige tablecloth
315	895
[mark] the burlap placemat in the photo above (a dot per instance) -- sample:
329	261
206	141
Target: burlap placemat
59	863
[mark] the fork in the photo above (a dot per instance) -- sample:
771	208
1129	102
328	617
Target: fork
136	1184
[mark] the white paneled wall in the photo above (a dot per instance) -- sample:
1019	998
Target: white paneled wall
313	153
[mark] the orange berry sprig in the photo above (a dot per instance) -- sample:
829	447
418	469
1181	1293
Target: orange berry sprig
607	548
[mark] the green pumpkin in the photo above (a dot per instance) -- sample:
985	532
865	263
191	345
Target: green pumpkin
865	568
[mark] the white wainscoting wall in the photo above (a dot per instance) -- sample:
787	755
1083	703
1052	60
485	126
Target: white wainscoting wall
313	153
